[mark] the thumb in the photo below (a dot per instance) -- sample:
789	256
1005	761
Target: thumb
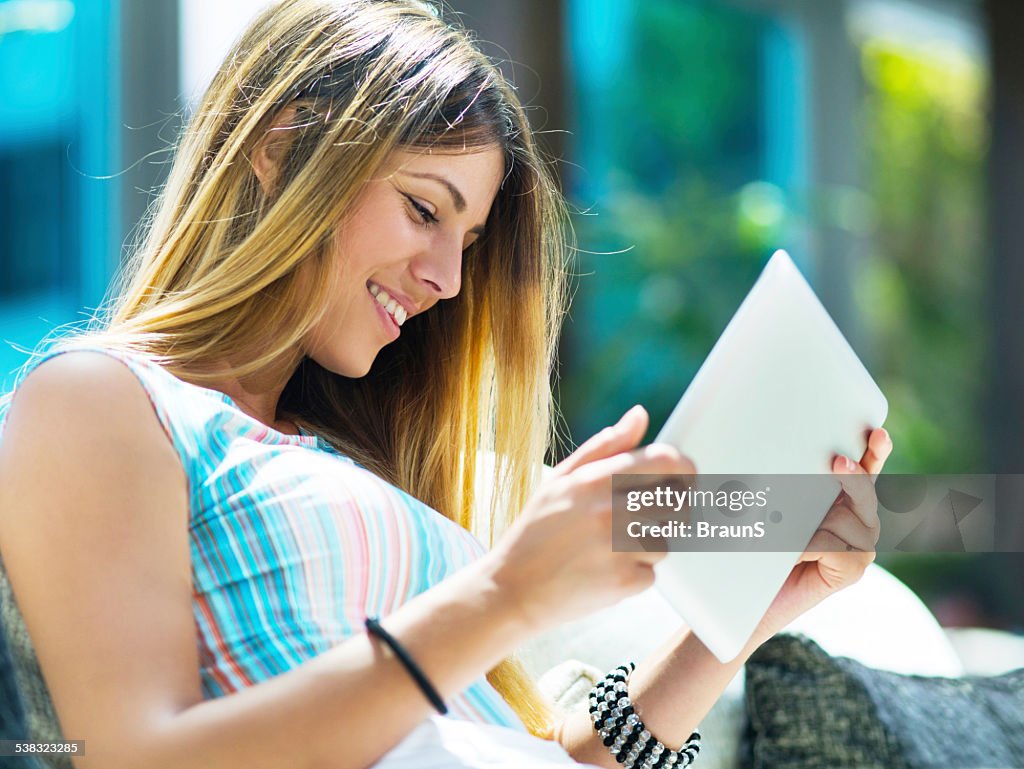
622	436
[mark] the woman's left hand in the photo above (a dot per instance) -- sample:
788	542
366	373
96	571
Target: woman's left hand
843	546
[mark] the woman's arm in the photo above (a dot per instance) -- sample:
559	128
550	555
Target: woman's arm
348	706
675	687
94	535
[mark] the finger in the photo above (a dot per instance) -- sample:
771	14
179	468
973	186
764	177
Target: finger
839	563
595	493
844	523
878	450
651	557
643	577
826	544
859	490
652	459
614	439
636	493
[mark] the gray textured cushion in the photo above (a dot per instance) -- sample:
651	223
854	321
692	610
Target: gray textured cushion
810	710
12	714
25	676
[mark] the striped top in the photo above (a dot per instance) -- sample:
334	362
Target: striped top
292	543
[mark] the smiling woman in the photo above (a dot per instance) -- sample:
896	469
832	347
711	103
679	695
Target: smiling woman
349	291
317	264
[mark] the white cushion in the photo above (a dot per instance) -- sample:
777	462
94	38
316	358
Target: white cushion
881	622
987	652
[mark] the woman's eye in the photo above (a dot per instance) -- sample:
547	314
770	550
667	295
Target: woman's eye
422	211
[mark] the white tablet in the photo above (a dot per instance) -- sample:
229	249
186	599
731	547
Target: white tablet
781	393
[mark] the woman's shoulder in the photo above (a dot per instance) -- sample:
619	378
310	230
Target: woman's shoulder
126	378
85	412
65	371
90	400
74	382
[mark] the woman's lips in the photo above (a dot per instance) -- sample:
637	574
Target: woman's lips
388	322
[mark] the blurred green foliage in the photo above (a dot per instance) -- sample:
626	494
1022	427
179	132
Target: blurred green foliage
923	282
924	120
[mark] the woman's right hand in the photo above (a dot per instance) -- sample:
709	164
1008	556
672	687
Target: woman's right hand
556	561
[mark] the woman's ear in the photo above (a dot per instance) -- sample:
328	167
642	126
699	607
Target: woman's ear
271	149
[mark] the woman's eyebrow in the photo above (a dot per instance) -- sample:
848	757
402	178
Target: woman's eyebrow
457	199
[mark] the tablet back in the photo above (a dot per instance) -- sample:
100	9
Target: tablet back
781	393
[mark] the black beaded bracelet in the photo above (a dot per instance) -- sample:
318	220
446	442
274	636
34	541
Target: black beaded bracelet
625	735
373	627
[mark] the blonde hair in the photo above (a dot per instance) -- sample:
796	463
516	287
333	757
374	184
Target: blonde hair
216	277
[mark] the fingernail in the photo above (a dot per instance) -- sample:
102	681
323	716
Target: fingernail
631	413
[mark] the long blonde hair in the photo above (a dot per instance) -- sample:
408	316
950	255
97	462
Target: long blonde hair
215	277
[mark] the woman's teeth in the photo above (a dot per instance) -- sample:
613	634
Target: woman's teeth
395	310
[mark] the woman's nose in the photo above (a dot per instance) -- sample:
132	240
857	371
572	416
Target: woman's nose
441	269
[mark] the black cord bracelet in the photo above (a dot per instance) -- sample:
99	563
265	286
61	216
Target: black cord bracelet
373	627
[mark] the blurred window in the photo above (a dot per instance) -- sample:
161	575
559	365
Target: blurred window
35	192
59	225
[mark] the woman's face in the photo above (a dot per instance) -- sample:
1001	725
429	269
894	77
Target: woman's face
399	252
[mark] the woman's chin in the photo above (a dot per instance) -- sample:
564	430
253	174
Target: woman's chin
360	369
351	366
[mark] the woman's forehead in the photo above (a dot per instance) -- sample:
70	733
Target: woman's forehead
474	173
461	161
